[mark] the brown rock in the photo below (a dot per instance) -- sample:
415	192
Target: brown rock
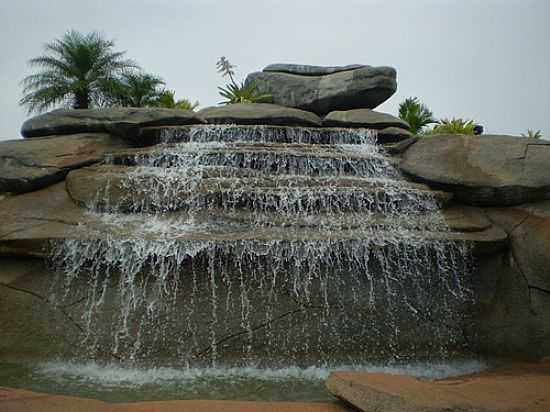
522	388
19	400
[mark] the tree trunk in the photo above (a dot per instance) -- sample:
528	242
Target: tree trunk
82	99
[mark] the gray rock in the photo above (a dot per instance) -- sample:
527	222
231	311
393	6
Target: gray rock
121	121
306	70
365	87
488	170
259	113
27	165
364	118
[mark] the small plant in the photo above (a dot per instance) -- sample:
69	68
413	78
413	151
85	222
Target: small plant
234	92
167	99
416	114
531	134
454	126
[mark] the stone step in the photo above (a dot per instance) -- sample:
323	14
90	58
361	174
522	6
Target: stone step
134	189
33	220
257	133
271	158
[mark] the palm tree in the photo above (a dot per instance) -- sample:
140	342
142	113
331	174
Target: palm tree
78	68
167	99
532	134
135	89
416	114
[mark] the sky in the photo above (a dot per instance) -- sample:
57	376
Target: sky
486	60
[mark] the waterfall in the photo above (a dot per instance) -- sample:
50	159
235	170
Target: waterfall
277	245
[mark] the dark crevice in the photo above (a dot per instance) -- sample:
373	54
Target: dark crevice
47	301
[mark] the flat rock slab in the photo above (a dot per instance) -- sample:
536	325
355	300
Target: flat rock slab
259	113
19	400
363	87
121	121
306	70
515	389
365	118
488	170
27	165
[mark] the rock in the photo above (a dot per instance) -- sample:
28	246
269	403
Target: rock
27	165
364	118
519	388
512	289
121	121
399	147
488	170
306	70
395	135
260	114
364	87
20	400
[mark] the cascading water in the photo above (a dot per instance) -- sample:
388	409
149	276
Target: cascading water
264	245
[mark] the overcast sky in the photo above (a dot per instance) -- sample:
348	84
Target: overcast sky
487	60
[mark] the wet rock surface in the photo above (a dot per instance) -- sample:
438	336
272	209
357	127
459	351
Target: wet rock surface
488	170
363	87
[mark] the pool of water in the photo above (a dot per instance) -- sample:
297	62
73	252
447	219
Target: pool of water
116	383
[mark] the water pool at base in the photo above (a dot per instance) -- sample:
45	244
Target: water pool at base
115	383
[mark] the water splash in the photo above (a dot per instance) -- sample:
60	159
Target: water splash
293	253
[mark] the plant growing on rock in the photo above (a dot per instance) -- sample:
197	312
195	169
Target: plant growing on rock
454	126
78	69
416	114
532	134
234	92
167	99
136	89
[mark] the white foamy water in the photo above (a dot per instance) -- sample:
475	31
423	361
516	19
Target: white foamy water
112	375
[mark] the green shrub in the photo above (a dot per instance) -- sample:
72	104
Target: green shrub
416	114
453	126
238	93
532	134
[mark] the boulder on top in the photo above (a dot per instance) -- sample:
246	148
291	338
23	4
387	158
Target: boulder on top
488	170
120	121
306	70
363	118
325	89
259	113
27	165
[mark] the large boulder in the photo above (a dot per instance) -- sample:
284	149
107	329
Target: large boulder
121	121
489	170
363	118
321	90
259	113
27	165
513	289
517	388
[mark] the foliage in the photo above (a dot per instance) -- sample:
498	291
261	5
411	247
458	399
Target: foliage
136	89
77	69
234	92
416	114
454	126
167	99
532	134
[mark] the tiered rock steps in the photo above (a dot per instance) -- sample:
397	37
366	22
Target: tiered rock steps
255	133
279	158
134	189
